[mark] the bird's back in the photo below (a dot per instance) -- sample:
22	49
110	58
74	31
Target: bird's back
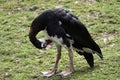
76	30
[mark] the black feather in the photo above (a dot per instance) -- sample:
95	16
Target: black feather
89	58
77	30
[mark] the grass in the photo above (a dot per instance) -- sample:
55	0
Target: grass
19	60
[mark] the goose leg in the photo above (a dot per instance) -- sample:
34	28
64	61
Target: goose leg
71	69
52	72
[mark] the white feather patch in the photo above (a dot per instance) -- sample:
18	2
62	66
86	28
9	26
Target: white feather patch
53	38
88	50
74	18
79	50
57	40
68	35
42	42
60	23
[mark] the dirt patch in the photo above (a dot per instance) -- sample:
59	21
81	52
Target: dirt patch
91	1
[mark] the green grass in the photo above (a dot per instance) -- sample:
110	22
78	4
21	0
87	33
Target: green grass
19	60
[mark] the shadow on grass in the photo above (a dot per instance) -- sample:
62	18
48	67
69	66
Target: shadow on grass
79	72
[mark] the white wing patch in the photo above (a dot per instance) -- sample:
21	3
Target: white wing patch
79	50
54	38
68	35
88	50
60	23
84	49
74	18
